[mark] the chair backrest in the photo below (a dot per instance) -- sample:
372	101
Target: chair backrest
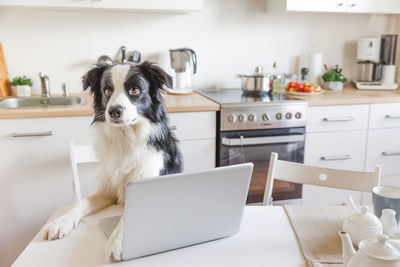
79	155
312	175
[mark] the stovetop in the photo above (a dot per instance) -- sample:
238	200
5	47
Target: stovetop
238	97
240	111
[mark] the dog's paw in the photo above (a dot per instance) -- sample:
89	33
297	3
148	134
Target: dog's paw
60	227
114	248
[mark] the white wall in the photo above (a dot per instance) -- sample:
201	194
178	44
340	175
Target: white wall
229	36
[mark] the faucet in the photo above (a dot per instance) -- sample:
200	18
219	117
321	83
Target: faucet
44	79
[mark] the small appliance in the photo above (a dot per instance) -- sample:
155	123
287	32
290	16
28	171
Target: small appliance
184	65
376	68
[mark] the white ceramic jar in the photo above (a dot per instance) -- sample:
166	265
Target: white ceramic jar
389	223
362	225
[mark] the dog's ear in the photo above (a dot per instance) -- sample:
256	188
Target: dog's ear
156	75
92	78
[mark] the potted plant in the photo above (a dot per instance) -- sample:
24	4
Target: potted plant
21	86
334	79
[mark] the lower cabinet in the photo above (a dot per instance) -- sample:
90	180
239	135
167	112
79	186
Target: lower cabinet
35	172
339	150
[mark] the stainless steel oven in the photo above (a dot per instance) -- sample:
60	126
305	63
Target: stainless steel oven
256	146
251	127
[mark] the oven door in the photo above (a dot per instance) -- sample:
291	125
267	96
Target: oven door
256	147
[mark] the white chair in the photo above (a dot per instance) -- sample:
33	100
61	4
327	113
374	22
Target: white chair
79	155
312	175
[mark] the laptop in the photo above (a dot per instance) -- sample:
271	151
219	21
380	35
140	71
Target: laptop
174	211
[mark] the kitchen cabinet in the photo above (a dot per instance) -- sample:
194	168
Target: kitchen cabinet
335	6
196	132
36	175
127	5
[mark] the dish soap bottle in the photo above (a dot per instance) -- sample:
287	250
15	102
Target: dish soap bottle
276	78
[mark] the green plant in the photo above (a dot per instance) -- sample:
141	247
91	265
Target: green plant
334	76
21	81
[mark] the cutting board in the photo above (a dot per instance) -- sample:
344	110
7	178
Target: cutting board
5	88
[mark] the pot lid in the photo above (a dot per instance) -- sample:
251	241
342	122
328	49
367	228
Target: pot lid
381	248
364	218
258	72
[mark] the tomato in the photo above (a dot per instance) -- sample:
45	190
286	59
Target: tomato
300	86
292	84
308	89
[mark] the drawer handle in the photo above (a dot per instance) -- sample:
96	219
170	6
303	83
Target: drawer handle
394	153
338	119
47	133
330	158
173	128
392	116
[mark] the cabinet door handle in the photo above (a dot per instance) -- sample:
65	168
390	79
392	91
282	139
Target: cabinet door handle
392	116
353	5
338	119
340	4
330	158
394	153
46	133
173	128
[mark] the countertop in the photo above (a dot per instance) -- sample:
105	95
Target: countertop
352	96
174	103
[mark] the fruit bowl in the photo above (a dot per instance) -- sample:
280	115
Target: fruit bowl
302	89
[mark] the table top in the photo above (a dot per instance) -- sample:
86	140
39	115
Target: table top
265	238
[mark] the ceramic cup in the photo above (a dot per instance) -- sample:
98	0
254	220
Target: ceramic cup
386	197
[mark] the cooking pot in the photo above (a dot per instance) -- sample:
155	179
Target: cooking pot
257	82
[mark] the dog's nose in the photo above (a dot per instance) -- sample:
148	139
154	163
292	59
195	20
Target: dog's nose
115	112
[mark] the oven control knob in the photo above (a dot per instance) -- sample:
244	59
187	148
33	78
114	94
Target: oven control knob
252	117
278	116
242	118
298	115
265	117
232	118
289	115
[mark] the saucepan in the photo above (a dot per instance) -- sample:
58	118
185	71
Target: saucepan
257	82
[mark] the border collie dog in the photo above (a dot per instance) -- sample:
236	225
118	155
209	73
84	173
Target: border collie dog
133	140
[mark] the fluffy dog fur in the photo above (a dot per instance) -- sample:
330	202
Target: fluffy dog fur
133	140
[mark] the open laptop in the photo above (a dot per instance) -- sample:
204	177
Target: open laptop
179	210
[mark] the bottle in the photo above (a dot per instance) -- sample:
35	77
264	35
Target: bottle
276	77
389	223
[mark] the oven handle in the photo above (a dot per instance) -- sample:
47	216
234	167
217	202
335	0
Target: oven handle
243	141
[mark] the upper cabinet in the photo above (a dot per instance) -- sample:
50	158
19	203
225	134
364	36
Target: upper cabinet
336	6
129	5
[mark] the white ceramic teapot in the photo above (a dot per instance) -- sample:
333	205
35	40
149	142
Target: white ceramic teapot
362	225
375	252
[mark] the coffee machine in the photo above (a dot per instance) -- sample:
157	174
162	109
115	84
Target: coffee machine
184	65
376	63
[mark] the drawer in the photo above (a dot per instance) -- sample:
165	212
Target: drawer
385	115
340	150
337	118
383	148
193	125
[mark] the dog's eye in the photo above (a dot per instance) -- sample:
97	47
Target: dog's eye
108	92
134	91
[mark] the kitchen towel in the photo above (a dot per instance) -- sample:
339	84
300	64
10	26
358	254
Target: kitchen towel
315	68
316	230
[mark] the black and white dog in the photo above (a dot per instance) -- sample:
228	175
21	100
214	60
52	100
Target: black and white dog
133	140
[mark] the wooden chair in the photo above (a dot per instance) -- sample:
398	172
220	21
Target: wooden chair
79	155
312	175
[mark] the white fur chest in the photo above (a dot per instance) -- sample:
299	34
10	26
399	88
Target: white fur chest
125	156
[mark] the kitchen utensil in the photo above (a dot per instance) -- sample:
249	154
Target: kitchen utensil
304	73
257	82
374	252
135	57
184	65
5	87
386	197
362	225
389	223
104	59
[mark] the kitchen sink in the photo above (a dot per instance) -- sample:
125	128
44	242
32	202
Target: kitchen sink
37	102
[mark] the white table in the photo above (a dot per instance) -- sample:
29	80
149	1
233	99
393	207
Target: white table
265	239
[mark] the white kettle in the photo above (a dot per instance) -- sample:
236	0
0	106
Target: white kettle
375	252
